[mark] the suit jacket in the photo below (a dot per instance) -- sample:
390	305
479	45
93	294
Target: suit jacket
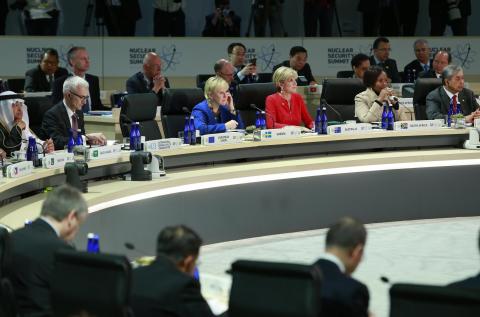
248	79
205	119
390	67
160	289
438	102
36	80
367	110
414	65
94	90
306	72
129	8
10	141
470	283
220	29
341	295
136	84
33	249
430	74
56	125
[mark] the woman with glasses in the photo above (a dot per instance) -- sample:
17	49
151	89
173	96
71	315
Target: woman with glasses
14	127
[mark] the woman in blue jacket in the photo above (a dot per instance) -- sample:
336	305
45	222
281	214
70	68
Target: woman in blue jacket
216	113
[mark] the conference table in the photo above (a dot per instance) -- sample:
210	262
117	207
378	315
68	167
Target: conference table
250	189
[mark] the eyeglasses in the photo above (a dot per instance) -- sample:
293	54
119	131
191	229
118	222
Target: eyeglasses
80	96
384	49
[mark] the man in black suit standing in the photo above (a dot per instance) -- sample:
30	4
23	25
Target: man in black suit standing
342	295
167	286
41	78
453	92
80	62
422	63
120	16
67	115
471	282
440	60
34	246
381	57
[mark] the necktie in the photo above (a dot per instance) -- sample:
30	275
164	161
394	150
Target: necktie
74	126
425	68
454	102
50	81
150	86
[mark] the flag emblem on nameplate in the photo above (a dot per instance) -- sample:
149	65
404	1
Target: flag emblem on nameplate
268	135
211	139
404	126
337	130
95	153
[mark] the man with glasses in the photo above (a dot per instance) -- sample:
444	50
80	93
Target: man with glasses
225	70
41	78
422	64
245	73
67	115
298	61
79	61
381	57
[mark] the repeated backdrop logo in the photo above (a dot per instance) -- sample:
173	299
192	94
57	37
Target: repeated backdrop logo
170	56
268	56
34	54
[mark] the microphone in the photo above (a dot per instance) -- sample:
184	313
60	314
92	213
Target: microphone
323	101
130	246
253	106
186	110
385	280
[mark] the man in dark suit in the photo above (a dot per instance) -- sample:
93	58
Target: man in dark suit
381	57
298	61
244	73
167	286
471	282
452	12
453	92
120	16
422	63
41	78
67	115
341	295
80	62
225	70
440	60
34	246
222	22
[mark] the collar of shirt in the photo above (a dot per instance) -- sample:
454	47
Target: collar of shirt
377	61
69	112
333	258
450	95
51	225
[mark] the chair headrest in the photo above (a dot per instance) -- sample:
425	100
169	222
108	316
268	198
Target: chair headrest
140	107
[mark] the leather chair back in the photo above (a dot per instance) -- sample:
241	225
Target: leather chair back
340	94
423	86
140	108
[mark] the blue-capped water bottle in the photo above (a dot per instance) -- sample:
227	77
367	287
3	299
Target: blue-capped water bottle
186	130
93	243
318	119
391	118
459	108
258	122
450	114
385	116
324	121
138	137
263	120
132	136
196	273
193	131
79	140
31	147
71	141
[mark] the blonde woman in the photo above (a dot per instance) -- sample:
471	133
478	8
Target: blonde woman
286	107
216	114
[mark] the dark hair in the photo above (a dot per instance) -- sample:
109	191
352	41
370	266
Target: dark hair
444	52
347	234
297	49
231	46
371	75
178	242
221	2
71	52
379	40
358	59
61	201
49	51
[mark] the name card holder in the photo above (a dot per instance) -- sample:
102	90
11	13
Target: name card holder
103	152
57	159
277	134
162	144
222	138
18	169
349	128
418	125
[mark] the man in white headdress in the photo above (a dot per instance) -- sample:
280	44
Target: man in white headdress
14	124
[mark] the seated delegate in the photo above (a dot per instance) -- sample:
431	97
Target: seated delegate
216	114
14	124
369	103
286	107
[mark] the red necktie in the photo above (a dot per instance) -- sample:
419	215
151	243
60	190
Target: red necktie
454	102
74	126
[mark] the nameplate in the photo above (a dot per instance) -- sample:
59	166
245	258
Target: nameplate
277	134
57	159
103	152
476	123
222	138
406	102
162	144
350	128
18	169
418	125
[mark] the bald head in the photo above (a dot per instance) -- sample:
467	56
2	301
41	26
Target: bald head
223	68
152	65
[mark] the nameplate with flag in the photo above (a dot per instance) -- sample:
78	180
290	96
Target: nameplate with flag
349	128
162	144
103	152
18	169
57	159
277	134
222	138
418	125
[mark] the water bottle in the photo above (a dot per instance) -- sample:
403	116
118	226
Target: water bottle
391	118
459	108
324	121
93	243
409	76
318	119
31	147
450	114
196	274
138	137
132	136
186	131
258	123
385	116
263	120
71	141
414	75
79	140
193	131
